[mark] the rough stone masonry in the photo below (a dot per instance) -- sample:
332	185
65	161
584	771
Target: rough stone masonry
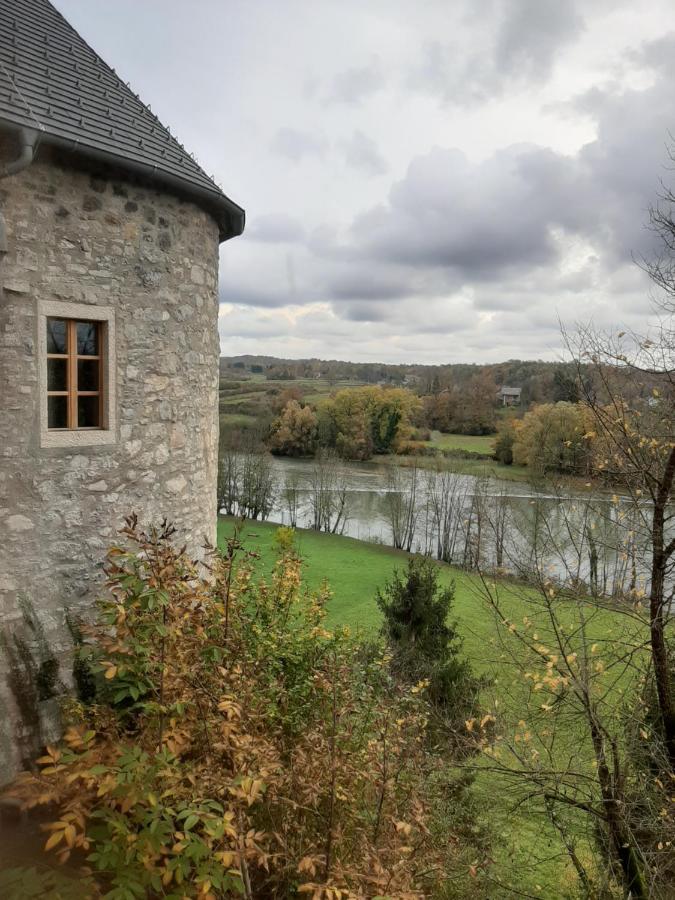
92	238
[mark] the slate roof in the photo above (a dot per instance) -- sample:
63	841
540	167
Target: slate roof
52	81
510	391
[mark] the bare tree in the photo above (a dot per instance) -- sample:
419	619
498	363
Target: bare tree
328	494
246	482
229	477
402	503
631	405
257	491
446	499
572	675
479	515
499	522
292	498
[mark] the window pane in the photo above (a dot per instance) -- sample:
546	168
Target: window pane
87	374
57	375
57	340
57	408
87	412
87	339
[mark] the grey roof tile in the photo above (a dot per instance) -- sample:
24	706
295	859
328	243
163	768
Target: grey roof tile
51	80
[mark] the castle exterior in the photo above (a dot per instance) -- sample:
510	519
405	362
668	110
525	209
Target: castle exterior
109	348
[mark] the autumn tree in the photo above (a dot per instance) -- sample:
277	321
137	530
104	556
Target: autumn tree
476	413
550	438
280	400
439	410
237	747
358	422
463	408
506	438
294	432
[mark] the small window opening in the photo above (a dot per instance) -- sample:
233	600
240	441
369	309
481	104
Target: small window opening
74	374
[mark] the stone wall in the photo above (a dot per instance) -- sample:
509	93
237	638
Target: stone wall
95	238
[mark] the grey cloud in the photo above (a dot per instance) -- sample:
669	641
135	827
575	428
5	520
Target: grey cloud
232	325
476	220
502	227
362	283
491	248
275	228
521	51
361	152
297	145
365	312
494	301
532	34
356	84
657	54
502	217
266	295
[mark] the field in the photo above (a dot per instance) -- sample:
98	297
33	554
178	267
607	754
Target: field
481	443
528	852
247	403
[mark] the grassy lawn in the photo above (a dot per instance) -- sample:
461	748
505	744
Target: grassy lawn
480	443
236	419
528	852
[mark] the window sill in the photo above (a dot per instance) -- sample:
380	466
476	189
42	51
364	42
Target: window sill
83	438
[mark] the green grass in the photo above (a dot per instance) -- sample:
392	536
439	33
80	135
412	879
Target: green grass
314	395
231	420
480	443
354	570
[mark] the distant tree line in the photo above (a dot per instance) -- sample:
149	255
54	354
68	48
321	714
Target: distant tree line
540	382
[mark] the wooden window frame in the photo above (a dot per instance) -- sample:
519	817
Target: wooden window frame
64	439
72	357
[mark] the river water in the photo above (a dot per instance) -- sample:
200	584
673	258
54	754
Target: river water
596	540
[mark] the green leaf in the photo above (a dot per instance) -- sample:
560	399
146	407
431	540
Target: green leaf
190	822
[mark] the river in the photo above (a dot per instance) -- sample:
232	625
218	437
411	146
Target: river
593	538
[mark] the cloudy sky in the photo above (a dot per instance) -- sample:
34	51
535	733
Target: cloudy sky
431	181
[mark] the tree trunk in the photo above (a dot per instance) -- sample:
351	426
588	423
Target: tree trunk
656	602
620	841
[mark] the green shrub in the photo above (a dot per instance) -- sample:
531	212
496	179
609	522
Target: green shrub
425	644
503	452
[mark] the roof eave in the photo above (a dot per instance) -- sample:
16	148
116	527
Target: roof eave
229	216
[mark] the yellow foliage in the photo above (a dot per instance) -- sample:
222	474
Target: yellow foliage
235	739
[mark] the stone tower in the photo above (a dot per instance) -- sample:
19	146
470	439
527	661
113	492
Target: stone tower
109	238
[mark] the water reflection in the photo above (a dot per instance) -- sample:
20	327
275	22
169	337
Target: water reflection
597	541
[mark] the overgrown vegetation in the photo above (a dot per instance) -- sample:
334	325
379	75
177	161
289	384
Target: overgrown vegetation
237	746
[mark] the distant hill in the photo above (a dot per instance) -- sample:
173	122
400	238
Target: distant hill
539	381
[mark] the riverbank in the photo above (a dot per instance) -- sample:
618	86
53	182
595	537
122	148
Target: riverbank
528	852
479	468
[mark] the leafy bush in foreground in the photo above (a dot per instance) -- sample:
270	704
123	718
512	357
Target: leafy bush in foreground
239	748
